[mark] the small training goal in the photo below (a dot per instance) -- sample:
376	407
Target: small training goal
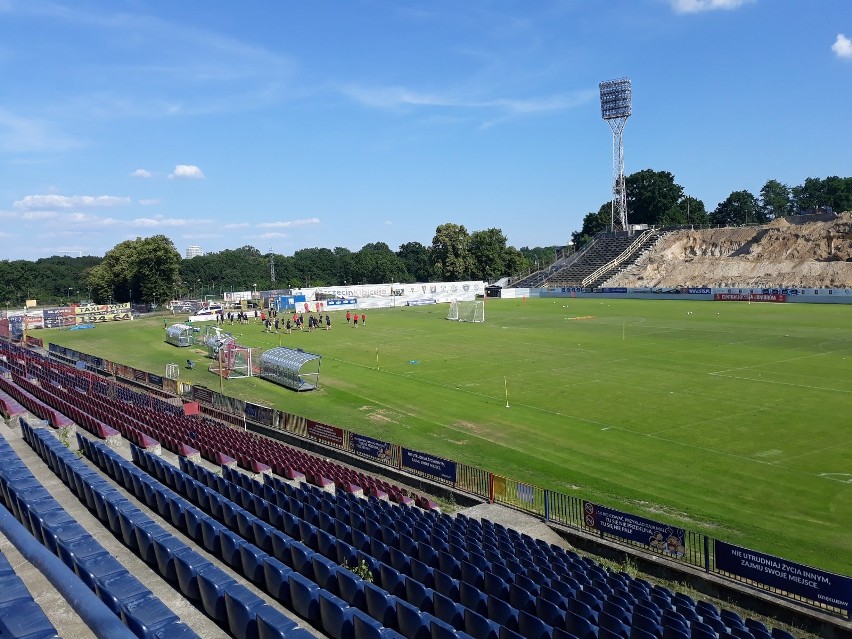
467	311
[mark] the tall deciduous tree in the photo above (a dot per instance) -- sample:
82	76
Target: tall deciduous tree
488	252
415	256
740	207
651	196
450	254
144	269
775	200
593	224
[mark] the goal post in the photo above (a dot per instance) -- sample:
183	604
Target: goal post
473	311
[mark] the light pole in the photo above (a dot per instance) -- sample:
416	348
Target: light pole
68	297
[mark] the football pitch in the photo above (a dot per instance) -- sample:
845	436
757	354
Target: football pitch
727	418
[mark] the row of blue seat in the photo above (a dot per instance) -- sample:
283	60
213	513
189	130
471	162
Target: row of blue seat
20	616
246	615
454	602
290	587
52	526
612	612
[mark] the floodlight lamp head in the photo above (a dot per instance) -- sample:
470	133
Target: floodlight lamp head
616	99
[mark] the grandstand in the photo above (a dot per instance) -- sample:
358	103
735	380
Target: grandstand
253	539
606	255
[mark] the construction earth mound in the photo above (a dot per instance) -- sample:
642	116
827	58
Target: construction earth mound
796	252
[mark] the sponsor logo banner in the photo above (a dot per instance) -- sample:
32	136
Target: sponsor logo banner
657	536
699	291
259	414
155	380
370	447
93	313
202	394
798	579
328	434
339	302
428	464
58	317
749	297
618	289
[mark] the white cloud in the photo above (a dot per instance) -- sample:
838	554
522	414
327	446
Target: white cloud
269	236
149	202
69	201
842	47
237	225
149	222
288	224
401	97
699	6
39	215
187	172
388	223
141	173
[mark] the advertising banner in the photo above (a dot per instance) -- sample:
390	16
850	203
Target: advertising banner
155	380
325	433
259	414
699	291
93	313
202	394
811	583
429	464
369	447
749	297
653	534
58	317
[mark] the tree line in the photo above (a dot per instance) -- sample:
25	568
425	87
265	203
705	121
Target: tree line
654	198
151	269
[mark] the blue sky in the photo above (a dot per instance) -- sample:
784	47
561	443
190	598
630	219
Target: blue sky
287	125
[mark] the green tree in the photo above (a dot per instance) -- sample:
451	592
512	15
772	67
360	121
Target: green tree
692	211
488	252
775	200
740	207
315	267
415	256
593	224
450	255
145	268
652	196
376	263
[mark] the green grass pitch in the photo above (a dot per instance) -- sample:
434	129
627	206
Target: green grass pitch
728	418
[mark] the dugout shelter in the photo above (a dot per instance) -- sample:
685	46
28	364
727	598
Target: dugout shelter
180	335
284	366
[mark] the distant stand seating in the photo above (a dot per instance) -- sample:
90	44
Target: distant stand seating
105	408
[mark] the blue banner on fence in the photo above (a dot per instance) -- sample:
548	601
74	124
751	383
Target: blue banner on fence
370	447
657	536
699	291
429	464
340	302
798	579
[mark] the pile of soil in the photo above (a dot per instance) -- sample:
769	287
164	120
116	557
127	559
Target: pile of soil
798	254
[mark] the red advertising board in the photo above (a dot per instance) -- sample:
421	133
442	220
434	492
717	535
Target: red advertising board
749	297
325	433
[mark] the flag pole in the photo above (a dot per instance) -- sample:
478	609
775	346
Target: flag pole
506	388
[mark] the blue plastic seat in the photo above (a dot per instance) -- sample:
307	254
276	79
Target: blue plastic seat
447	610
412	623
145	616
118	589
442	630
473	598
325	572
613	624
242	605
391	580
580	626
673	632
651	626
304	595
350	588
277	578
478	627
251	559
583	610
380	605
229	548
445	584
521	599
549	612
494	585
273	624
366	627
532	627
421	572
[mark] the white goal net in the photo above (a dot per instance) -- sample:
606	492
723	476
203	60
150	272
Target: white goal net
467	311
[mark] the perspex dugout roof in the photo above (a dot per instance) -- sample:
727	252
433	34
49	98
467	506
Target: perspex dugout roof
284	366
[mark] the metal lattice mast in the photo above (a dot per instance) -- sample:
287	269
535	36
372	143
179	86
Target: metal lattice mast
271	266
616	107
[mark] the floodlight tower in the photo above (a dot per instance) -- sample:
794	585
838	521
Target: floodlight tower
616	107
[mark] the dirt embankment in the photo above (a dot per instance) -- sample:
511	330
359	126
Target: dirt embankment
779	254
